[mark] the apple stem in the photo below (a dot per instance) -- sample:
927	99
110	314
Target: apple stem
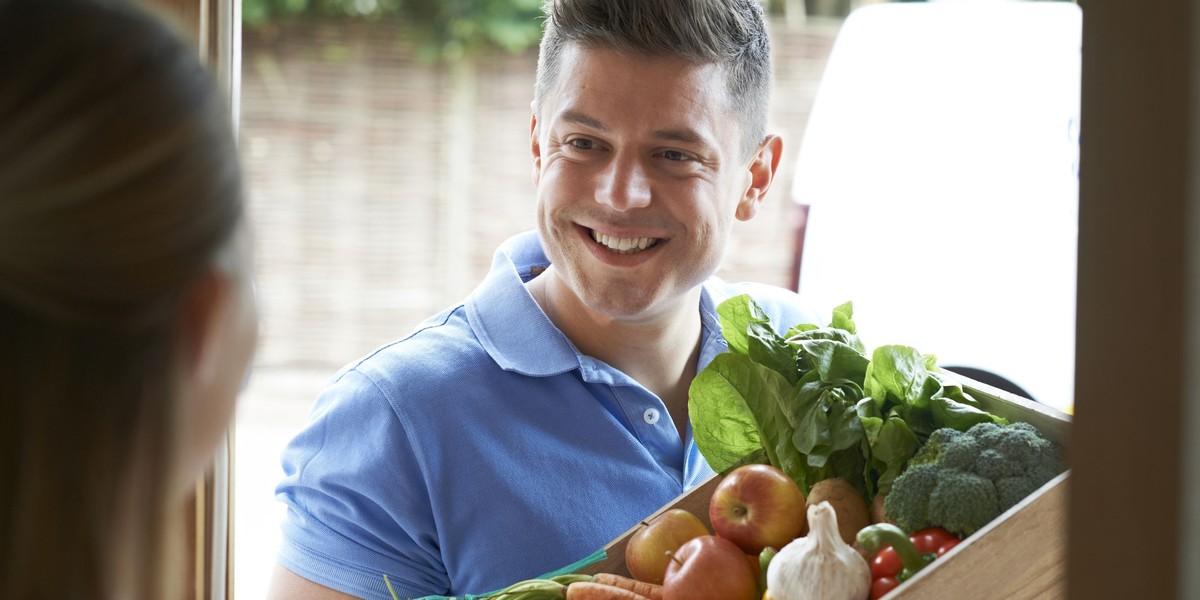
674	558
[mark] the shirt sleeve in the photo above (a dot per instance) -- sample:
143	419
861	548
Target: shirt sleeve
357	502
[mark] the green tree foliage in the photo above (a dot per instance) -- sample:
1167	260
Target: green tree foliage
445	29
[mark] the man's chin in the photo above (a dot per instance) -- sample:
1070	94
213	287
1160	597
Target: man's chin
624	302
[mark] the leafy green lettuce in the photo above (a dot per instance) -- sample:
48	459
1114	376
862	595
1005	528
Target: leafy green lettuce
814	405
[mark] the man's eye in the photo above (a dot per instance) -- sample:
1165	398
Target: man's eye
582	144
674	155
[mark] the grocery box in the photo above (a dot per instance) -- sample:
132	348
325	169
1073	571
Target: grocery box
1019	555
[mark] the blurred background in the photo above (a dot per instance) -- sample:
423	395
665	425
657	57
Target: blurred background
386	145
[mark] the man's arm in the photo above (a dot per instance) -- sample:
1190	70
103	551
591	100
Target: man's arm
286	585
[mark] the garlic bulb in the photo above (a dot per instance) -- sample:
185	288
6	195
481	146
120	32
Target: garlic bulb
819	566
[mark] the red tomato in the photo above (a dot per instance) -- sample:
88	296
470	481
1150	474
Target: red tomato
886	563
930	538
882	586
947	545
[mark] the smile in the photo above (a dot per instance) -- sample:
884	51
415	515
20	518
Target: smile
623	245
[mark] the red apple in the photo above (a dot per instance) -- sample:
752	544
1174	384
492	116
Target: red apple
756	506
646	554
709	568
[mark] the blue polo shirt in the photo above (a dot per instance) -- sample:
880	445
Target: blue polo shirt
483	448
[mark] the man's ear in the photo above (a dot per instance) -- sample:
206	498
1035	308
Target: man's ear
761	172
200	326
535	147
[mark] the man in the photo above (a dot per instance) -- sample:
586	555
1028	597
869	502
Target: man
523	429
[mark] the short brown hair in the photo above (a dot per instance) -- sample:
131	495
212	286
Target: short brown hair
730	33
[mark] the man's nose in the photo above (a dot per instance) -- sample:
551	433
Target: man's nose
624	184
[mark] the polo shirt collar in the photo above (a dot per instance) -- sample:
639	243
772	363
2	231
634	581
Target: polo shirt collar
518	335
510	325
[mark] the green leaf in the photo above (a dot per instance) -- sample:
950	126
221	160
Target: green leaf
758	457
825	420
812	437
723	427
747	330
849	464
730	404
797	337
845	428
898	373
736	314
841	317
895	443
956	393
767	348
767	406
960	416
834	361
799	329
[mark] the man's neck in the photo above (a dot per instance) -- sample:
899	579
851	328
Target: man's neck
660	352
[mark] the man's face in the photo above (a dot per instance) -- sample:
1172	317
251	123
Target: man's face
640	175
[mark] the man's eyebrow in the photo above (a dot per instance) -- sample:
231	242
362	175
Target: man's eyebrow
574	116
684	135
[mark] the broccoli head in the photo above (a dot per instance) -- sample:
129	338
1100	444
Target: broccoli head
961	480
910	509
962	501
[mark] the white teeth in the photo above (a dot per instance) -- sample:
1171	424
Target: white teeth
623	245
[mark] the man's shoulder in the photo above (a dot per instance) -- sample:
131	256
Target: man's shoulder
783	306
441	346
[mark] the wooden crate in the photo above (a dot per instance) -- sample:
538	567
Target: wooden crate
1019	555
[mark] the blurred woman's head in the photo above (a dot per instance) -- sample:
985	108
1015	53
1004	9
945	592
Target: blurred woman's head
127	318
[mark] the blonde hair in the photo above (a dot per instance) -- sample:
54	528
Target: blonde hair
119	185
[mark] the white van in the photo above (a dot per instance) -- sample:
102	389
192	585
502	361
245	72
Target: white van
939	169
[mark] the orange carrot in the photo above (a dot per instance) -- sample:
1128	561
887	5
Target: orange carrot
649	590
590	590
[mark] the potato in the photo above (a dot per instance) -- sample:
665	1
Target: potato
877	513
849	505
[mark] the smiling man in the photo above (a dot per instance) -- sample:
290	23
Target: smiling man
522	429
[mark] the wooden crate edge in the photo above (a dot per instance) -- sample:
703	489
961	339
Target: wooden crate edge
1018	556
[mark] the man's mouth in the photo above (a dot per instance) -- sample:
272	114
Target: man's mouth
621	245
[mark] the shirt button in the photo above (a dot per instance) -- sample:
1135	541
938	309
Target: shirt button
651	415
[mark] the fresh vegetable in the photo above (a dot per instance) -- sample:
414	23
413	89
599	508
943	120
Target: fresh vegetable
552	588
847	502
532	589
812	403
590	590
819	566
788	402
764	563
963	480
881	586
906	401
569	578
888	568
877	514
649	590
947	546
886	563
932	539
885	539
